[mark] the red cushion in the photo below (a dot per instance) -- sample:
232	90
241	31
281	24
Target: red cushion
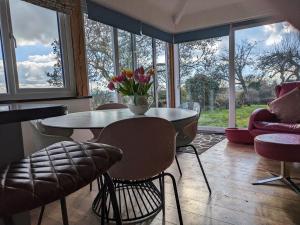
278	127
239	135
286	87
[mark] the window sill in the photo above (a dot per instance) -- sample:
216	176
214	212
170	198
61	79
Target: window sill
42	99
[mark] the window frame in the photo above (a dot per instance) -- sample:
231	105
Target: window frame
14	92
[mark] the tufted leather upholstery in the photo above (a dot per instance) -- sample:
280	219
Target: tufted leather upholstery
52	173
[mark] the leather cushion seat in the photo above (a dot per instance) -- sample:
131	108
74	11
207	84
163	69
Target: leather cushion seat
52	173
278	127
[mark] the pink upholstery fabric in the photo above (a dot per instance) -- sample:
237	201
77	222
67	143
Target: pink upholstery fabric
281	147
239	135
286	87
287	106
148	146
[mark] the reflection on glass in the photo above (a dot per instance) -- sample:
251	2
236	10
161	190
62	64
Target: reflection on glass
161	73
125	49
100	60
2	72
38	52
265	56
204	78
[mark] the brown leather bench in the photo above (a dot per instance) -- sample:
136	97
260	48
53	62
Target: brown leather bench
51	174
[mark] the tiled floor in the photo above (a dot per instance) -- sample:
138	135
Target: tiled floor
230	169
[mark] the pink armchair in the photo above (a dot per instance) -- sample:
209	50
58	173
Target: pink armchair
262	121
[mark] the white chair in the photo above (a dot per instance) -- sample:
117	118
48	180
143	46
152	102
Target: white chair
45	136
187	134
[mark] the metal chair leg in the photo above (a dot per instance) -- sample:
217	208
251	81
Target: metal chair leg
176	196
41	215
201	167
64	211
178	165
113	198
162	190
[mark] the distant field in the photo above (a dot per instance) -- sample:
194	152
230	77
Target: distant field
219	117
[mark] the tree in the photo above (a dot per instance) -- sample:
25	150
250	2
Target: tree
202	89
55	78
283	60
198	57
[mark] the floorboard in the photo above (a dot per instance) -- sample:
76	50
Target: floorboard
230	169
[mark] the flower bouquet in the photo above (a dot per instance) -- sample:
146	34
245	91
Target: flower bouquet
135	86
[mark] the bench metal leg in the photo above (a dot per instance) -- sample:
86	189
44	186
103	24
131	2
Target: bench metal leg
41	215
64	211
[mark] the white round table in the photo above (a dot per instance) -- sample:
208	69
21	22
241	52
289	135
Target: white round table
102	118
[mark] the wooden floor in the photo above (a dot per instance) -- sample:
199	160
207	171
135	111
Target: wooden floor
230	169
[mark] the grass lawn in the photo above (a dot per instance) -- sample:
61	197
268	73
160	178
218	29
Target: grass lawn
219	117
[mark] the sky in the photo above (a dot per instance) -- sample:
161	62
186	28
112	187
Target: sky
35	28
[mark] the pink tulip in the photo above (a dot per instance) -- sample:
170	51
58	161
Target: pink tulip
121	78
111	86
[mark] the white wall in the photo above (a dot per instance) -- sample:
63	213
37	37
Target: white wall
73	105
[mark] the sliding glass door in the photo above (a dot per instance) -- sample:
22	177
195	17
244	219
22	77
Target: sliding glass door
265	56
204	78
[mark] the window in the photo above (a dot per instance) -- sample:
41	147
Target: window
100	60
265	56
143	51
161	74
37	47
125	50
2	71
204	78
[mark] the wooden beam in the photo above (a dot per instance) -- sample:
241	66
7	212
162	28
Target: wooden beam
77	32
171	75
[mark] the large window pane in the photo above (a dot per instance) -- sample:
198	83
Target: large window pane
264	57
38	52
125	50
161	73
204	78
144	51
2	71
100	60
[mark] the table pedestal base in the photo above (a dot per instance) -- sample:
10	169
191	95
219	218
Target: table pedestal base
138	201
284	177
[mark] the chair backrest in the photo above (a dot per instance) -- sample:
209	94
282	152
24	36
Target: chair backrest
111	106
187	132
42	140
96	132
148	146
191	106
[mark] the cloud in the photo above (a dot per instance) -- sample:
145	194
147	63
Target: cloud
277	31
2	78
32	72
32	24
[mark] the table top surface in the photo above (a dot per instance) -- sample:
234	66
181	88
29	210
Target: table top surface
10	113
102	118
279	138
